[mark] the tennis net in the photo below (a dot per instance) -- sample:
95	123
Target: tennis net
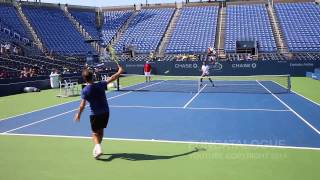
221	84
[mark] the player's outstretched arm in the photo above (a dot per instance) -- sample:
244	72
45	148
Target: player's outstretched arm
81	108
116	75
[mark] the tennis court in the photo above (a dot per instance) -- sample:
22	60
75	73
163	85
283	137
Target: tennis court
170	128
240	112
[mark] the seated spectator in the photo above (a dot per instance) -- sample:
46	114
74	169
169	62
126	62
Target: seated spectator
241	58
24	73
15	50
193	57
1	49
7	48
249	57
151	56
30	73
65	70
2	75
33	72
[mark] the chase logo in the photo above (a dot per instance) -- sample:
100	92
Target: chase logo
186	66
244	65
216	66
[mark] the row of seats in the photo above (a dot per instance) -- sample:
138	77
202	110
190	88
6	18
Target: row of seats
113	21
9	31
146	30
6	73
300	23
56	31
87	20
9	15
195	30
249	22
45	64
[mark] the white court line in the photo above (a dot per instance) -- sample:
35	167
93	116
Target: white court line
199	108
293	111
38	110
239	109
136	90
42	120
53	106
305	98
51	117
145	107
168	141
300	95
194	96
219	84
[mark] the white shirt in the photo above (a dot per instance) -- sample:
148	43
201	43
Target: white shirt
205	69
7	46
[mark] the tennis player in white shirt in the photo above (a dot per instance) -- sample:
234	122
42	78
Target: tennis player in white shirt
205	73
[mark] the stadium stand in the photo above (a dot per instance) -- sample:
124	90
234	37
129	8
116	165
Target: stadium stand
56	31
45	63
113	21
11	35
249	23
307	56
9	16
16	65
195	30
300	23
64	63
87	20
6	72
146	30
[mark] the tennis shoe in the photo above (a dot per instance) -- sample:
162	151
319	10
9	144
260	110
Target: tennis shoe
97	152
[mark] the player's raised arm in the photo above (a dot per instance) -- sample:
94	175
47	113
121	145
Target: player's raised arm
116	75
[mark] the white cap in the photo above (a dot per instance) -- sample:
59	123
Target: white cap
147	62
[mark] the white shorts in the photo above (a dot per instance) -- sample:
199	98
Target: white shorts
148	74
205	74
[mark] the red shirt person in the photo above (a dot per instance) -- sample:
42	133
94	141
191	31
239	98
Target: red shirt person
147	71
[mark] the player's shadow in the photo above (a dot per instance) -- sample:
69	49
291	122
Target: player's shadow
144	157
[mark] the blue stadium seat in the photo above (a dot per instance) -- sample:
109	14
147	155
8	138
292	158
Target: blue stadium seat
9	15
146	30
87	20
249	22
300	23
56	31
195	30
113	21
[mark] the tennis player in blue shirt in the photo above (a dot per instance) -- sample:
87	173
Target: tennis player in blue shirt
95	94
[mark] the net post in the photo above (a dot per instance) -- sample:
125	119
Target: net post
289	83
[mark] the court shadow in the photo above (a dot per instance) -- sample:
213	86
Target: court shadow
144	157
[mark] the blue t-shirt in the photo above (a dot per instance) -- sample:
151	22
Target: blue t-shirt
96	96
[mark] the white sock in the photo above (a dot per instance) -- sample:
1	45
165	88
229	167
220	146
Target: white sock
98	147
